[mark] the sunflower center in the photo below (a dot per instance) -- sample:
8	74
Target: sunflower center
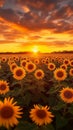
19	72
39	74
41	114
14	66
68	94
51	66
24	63
71	63
66	62
36	61
2	87
72	71
47	62
6	112
3	59
60	74
30	66
63	67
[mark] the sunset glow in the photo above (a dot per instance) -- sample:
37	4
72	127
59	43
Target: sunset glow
35	49
26	26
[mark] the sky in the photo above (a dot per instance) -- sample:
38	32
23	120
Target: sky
42	25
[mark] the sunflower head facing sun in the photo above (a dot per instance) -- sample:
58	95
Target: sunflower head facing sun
30	67
51	66
66	95
60	74
19	73
40	115
39	74
71	72
9	112
4	87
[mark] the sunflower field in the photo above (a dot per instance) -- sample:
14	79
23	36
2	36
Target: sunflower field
36	93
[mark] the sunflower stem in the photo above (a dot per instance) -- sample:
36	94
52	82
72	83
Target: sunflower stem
21	88
65	110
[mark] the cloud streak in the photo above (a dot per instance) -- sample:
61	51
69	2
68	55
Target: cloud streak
29	22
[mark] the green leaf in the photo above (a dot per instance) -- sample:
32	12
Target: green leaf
52	101
59	106
70	110
50	127
24	125
41	128
2	128
53	90
60	121
27	98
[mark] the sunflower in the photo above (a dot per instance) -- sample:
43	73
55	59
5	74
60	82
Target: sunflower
71	72
3	59
36	61
46	62
9	113
60	74
4	88
66	61
40	115
43	61
10	62
71	63
23	63
19	73
51	66
63	66
30	67
13	66
39	74
66	94
16	59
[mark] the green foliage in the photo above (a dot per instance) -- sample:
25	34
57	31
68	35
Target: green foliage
24	125
70	110
45	92
59	106
60	121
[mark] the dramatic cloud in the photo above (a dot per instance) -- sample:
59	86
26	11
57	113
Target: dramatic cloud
36	21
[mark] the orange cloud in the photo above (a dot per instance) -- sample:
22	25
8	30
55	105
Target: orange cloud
47	24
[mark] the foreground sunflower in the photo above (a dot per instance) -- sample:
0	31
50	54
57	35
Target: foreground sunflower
19	73
60	74
40	115
39	74
66	94
9	113
4	87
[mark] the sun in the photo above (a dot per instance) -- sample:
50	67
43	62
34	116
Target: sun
35	49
